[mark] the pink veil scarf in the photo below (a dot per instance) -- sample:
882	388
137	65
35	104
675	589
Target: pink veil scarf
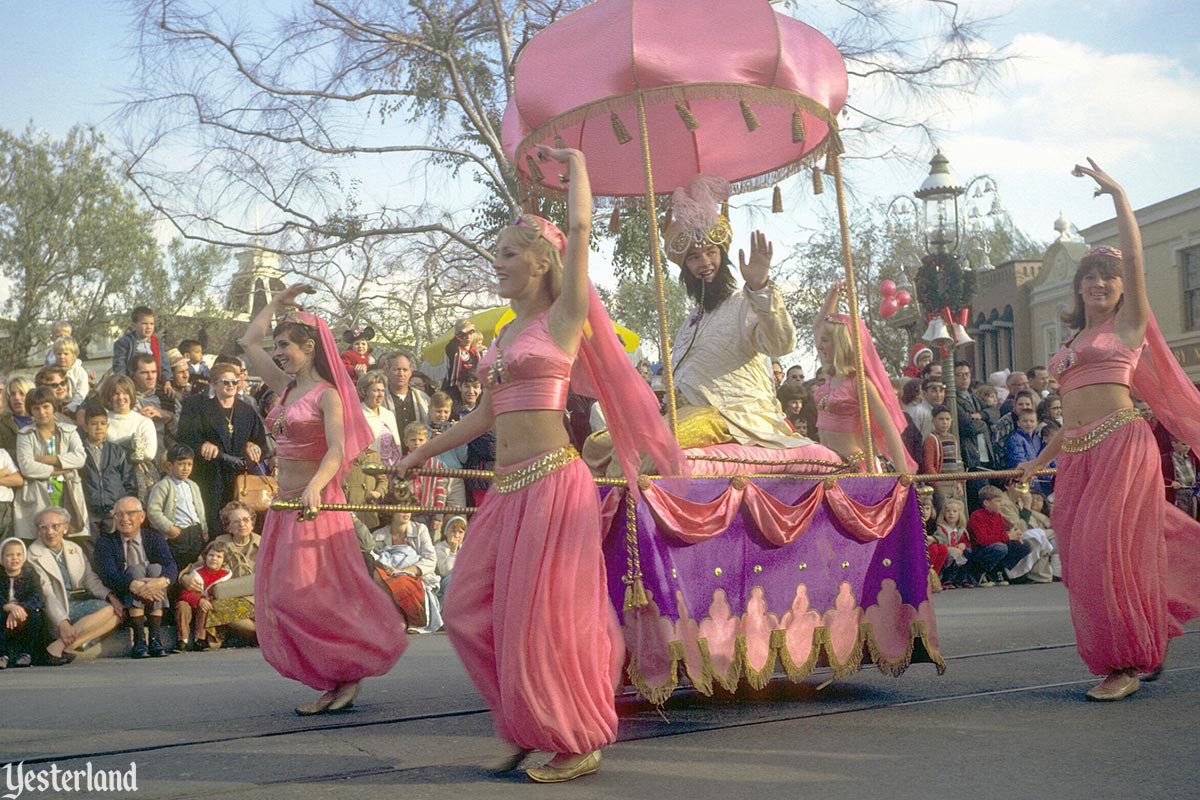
603	371
878	375
357	432
1161	382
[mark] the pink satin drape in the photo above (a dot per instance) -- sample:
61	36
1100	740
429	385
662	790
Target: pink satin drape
781	524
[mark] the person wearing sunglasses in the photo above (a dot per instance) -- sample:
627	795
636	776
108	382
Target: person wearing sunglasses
463	352
227	435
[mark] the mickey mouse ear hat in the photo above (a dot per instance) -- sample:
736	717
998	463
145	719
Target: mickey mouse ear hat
353	335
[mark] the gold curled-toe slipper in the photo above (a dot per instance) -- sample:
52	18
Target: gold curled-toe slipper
343	697
1110	690
508	763
588	765
318	706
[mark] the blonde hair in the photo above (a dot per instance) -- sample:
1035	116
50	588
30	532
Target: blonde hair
538	247
414	428
842	361
441	400
66	344
22	385
962	512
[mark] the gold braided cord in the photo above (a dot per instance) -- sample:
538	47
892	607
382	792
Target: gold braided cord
766	461
656	262
852	296
296	505
635	590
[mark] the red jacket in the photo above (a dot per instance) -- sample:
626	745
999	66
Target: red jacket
987	527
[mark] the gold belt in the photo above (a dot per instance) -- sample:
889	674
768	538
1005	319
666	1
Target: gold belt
508	482
1077	444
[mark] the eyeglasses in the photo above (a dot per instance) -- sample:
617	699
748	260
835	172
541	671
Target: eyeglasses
462	334
54	385
228	381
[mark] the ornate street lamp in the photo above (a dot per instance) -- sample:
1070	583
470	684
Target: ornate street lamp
940	193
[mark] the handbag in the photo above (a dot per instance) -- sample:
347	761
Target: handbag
256	490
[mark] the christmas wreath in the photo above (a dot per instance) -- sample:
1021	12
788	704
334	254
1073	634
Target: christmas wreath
942	282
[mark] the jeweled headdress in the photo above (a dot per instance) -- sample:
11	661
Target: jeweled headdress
696	219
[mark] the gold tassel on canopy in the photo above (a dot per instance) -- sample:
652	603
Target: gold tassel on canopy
559	141
614	222
797	127
619	130
751	118
818	184
685	114
725	209
777	201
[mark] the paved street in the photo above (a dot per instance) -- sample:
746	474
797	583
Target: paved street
1007	720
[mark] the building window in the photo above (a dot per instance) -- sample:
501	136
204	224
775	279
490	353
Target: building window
1191	287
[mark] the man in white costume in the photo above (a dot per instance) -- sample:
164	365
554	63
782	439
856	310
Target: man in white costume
718	353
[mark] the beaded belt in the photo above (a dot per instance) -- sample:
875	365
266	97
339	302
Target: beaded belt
1077	444
508	482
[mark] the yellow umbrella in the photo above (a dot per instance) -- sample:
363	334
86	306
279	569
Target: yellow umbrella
489	323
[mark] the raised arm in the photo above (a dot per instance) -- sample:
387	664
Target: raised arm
1135	311
831	302
569	311
261	362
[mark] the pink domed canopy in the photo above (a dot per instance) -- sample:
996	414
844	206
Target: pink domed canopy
731	88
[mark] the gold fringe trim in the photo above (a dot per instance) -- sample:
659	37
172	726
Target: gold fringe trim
865	650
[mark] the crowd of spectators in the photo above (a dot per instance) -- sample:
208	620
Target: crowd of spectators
119	502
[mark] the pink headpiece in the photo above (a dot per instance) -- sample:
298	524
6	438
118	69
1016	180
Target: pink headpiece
548	230
1104	250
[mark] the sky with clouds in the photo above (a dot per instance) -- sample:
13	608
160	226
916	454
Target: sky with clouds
1107	78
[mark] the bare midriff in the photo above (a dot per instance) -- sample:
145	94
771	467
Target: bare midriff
294	475
1088	404
522	435
844	443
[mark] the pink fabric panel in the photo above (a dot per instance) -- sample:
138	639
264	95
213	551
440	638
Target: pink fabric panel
925	614
781	524
688	520
889	619
649	635
757	624
320	618
842	622
720	629
867	523
529	615
801	624
688	632
812	452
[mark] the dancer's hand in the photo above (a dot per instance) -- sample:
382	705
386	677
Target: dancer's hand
311	500
1106	184
1028	470
560	154
405	464
756	271
287	298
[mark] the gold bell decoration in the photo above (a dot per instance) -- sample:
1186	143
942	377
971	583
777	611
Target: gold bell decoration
619	129
797	127
818	184
777	201
614	222
535	171
685	114
751	118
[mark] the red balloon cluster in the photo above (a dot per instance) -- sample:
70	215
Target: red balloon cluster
893	299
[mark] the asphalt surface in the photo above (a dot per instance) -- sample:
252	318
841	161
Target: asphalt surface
1007	720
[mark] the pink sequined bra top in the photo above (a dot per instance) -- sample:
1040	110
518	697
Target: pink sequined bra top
837	410
1097	357
529	372
299	428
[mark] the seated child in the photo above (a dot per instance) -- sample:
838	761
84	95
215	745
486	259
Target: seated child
66	353
191	612
21	633
199	376
1043	561
175	507
407	563
447	552
107	474
995	546
950	537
